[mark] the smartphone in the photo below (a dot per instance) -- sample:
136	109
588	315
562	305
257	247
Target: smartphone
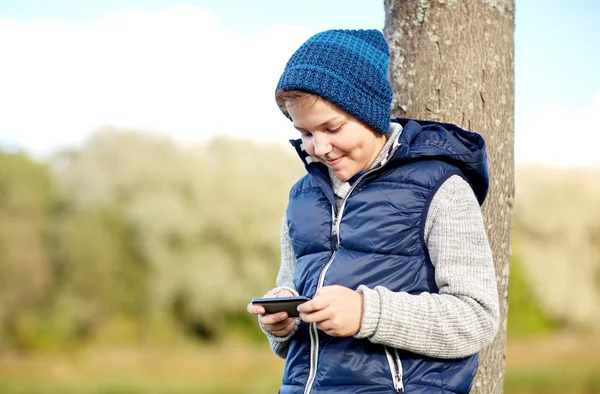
281	304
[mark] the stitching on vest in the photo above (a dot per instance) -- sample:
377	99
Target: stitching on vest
298	192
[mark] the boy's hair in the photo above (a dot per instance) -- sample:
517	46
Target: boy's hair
345	67
284	97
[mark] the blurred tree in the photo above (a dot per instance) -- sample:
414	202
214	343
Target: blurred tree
25	199
203	222
97	280
526	317
559	242
452	61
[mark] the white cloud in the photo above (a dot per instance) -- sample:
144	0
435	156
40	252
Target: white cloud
183	72
556	136
179	71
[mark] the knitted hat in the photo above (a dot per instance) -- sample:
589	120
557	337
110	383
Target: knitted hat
347	68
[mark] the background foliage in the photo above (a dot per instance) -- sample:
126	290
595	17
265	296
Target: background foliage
132	241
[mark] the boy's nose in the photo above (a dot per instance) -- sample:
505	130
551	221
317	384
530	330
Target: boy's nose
322	145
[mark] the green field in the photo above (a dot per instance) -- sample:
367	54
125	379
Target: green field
547	366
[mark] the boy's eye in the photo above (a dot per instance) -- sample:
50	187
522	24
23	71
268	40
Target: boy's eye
334	130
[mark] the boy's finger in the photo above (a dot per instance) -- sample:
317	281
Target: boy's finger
289	326
273	318
316	304
280	325
314	317
255	309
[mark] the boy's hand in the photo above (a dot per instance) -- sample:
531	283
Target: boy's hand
278	324
337	310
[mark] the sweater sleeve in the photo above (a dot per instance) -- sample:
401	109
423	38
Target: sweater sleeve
284	281
464	316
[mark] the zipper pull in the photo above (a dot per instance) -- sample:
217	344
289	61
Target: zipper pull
334	243
398	383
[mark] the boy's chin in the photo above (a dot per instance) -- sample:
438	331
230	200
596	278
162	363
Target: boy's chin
344	176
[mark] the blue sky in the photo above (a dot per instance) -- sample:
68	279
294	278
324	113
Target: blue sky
557	55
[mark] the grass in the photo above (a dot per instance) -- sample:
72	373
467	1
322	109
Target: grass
553	364
215	369
555	380
137	387
550	365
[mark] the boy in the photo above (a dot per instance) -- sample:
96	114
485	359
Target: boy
384	233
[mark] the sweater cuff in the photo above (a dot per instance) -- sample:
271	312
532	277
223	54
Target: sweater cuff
280	348
277	290
371	312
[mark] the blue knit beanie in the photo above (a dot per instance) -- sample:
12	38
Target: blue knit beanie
347	68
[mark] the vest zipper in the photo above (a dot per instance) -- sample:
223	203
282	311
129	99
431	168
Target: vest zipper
396	368
314	334
339	218
399	375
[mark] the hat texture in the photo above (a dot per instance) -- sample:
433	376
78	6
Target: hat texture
348	68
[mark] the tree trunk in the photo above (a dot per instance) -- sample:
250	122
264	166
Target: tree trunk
452	61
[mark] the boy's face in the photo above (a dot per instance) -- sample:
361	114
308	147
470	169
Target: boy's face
334	137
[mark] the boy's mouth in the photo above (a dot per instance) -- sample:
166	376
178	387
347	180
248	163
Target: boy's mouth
334	162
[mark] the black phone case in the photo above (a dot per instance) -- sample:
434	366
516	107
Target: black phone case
282	304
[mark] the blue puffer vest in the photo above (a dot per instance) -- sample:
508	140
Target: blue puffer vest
377	241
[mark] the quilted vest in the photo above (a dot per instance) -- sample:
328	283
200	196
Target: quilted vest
376	239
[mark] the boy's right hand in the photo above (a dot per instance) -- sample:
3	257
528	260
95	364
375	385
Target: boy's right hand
278	324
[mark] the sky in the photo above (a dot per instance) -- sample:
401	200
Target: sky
195	69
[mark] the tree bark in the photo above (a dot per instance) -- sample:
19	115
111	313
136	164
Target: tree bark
452	61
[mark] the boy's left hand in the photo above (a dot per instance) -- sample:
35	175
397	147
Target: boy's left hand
336	310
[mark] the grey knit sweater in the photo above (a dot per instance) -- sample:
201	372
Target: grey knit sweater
457	322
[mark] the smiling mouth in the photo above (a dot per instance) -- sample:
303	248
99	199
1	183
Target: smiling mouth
333	163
